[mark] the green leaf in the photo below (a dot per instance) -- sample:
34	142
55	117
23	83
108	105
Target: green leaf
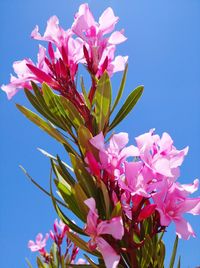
171	265
84	137
65	173
121	89
81	197
179	262
69	197
91	262
62	216
81	243
42	124
55	255
84	178
117	211
102	101
85	94
106	198
46	109
41	264
54	104
39	186
72	113
127	106
54	158
29	264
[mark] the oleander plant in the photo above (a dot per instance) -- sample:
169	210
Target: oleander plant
123	197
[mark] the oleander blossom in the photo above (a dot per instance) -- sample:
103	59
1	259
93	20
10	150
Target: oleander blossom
150	181
172	202
113	156
39	244
59	68
99	49
60	230
95	228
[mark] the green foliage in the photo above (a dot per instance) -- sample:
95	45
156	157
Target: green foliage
102	101
121	89
173	257
127	106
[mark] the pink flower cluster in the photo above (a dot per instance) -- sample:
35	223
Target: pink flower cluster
59	68
148	181
59	236
96	228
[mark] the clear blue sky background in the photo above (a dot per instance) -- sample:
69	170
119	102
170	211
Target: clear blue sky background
164	54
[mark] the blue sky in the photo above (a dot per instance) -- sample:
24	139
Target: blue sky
164	55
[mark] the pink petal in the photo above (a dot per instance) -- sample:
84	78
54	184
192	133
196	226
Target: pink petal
10	90
119	64
111	258
118	141
191	188
107	21
165	142
98	141
131	172
91	203
191	205
183	229
113	227
35	33
39	238
83	21
116	38
162	166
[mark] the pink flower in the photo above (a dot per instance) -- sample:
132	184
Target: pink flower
26	72
99	52
171	203
114	155
160	157
39	243
95	228
58	70
59	233
54	33
133	180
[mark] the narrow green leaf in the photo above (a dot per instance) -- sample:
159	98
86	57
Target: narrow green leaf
102	101
84	178
127	106
41	264
81	197
54	158
72	113
70	199
42	107
179	262
81	243
36	104
62	216
42	124
84	137
65	173
54	254
85	94
54	104
117	211
91	262
28	263
121	89
171	265
106	199
39	186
